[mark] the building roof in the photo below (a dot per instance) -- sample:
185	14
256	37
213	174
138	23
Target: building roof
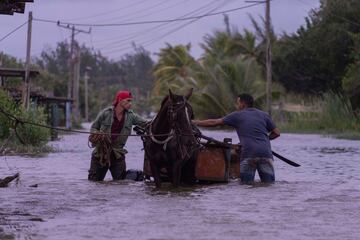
9	7
15	72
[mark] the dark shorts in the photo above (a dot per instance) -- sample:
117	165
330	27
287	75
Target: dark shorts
264	166
117	168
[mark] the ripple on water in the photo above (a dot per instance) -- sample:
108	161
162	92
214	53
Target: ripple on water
319	200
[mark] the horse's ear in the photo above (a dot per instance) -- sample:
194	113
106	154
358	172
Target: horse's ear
171	95
188	95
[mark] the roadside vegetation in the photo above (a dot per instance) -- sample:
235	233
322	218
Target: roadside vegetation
331	114
18	138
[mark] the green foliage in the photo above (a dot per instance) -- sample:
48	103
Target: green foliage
30	134
132	72
10	62
335	115
232	63
174	70
7	105
351	80
315	59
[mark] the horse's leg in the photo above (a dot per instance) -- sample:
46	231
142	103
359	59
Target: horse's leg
176	173
155	172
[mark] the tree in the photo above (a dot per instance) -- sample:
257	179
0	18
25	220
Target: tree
315	59
351	80
174	70
131	72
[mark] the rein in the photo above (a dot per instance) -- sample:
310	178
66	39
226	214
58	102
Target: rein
175	130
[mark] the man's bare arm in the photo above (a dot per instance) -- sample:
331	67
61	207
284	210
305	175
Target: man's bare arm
274	133
209	122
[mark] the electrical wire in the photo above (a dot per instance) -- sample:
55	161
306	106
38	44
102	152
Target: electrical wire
158	27
136	13
153	40
17	28
107	12
148	30
146	22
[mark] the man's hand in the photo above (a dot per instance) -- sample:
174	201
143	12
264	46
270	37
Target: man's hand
274	134
96	138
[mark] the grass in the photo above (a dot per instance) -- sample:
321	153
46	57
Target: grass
334	117
11	147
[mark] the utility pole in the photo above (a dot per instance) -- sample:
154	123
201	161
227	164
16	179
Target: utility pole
268	52
268	58
76	82
1	61
26	84
70	62
74	72
86	81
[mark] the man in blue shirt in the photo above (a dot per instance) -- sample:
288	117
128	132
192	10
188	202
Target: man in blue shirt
255	129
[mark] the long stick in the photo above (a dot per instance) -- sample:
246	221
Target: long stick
286	160
274	153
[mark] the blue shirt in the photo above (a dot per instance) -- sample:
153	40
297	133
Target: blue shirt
252	127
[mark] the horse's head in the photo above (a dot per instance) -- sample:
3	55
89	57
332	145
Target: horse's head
180	114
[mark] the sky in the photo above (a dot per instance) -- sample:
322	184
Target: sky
115	41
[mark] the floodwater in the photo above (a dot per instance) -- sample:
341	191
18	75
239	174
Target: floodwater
319	200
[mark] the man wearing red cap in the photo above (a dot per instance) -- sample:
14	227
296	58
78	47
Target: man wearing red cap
109	133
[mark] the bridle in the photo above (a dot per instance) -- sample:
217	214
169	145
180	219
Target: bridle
176	130
174	108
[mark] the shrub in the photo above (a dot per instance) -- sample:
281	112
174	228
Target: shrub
9	106
29	134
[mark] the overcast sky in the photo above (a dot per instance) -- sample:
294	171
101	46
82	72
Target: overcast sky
115	41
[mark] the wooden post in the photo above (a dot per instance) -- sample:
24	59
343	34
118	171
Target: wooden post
54	121
71	64
26	84
74	74
68	115
86	80
1	78
268	58
76	81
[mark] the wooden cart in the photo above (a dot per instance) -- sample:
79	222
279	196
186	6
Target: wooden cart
215	162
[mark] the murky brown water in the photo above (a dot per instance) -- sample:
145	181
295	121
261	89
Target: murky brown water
319	200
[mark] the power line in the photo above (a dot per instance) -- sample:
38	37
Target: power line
107	12
148	22
153	40
3	38
136	13
146	41
158	27
150	30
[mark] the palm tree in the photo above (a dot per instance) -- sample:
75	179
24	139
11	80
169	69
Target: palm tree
174	71
220	84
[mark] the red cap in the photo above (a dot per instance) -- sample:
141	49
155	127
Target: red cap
121	95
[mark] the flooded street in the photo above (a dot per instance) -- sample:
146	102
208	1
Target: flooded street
319	200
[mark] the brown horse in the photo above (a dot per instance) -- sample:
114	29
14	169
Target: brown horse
171	142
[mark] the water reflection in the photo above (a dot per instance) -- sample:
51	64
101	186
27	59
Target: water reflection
319	200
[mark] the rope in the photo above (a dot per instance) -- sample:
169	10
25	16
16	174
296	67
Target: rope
17	121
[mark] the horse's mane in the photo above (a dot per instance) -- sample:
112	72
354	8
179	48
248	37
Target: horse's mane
164	101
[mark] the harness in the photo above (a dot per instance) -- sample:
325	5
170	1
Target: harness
176	131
